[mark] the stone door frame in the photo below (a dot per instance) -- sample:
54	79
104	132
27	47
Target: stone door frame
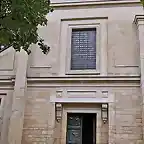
86	108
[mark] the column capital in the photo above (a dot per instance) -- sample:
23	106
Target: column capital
139	19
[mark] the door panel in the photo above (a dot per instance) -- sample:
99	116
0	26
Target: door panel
81	128
74	129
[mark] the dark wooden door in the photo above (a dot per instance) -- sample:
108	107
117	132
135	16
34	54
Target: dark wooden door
74	129
81	128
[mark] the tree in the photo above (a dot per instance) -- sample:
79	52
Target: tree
142	1
19	21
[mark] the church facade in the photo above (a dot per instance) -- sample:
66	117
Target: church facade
89	89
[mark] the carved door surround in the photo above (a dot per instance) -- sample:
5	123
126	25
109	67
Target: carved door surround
81	108
102	98
81	101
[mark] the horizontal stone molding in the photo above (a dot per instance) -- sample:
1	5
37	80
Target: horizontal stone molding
81	100
88	3
38	67
114	81
100	96
139	19
126	66
84	79
85	18
6	84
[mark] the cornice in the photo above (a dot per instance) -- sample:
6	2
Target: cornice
6	81
96	3
74	78
84	80
114	81
87	77
6	84
139	19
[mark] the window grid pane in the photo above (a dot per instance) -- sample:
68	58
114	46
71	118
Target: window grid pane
83	49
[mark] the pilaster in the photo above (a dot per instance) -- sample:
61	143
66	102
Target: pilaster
19	98
112	120
104	44
139	21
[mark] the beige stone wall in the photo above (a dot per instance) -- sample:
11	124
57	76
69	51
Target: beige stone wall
40	125
123	51
128	116
28	117
7	63
5	113
122	45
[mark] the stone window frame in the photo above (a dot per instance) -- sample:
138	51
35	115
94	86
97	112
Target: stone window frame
101	45
68	65
74	109
77	103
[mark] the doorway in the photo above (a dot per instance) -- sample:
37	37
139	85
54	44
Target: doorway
81	128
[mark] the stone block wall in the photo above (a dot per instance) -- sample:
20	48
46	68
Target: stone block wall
128	116
39	124
28	112
5	113
124	125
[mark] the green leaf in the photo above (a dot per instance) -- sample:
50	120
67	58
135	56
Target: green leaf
142	1
19	20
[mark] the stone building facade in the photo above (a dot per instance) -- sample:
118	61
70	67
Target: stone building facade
88	89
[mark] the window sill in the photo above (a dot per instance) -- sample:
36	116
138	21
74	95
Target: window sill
82	72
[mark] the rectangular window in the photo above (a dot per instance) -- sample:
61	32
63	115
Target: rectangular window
83	44
83	49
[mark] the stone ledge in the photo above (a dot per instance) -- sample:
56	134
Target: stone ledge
98	3
85	79
139	19
80	100
115	81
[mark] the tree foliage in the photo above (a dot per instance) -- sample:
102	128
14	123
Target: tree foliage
142	1
19	20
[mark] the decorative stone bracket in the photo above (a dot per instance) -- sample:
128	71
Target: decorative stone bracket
58	113
104	112
103	101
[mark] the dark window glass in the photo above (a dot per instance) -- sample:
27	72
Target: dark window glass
83	49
